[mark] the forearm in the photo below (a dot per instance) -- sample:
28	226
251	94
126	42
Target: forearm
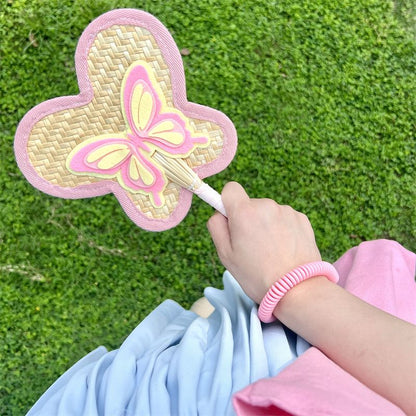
375	347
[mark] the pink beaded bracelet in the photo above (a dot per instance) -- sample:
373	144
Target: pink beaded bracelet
291	279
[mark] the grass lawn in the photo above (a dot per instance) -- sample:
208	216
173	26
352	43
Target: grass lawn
323	96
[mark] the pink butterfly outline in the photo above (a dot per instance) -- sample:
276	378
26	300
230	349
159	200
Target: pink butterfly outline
152	125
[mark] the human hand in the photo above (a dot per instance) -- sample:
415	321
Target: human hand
260	241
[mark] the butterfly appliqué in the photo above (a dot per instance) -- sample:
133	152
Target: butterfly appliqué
151	125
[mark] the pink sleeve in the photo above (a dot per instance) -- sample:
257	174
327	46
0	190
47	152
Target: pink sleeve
382	273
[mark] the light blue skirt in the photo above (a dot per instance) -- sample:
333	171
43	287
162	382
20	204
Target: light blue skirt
177	363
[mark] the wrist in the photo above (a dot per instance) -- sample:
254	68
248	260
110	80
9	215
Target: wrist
300	296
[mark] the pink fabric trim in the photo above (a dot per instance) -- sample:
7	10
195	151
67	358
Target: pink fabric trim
380	272
193	110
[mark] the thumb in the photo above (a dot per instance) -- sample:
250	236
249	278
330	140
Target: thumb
233	195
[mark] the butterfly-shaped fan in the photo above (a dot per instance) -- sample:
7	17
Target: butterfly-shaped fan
131	130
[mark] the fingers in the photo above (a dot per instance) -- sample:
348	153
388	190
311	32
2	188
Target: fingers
218	228
233	196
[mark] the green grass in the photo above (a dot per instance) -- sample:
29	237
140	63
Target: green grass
322	94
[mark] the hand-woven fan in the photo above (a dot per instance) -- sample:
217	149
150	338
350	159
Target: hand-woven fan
131	130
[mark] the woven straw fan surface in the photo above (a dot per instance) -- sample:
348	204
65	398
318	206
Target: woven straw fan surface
129	124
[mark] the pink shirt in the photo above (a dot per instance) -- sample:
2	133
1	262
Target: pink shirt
383	274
